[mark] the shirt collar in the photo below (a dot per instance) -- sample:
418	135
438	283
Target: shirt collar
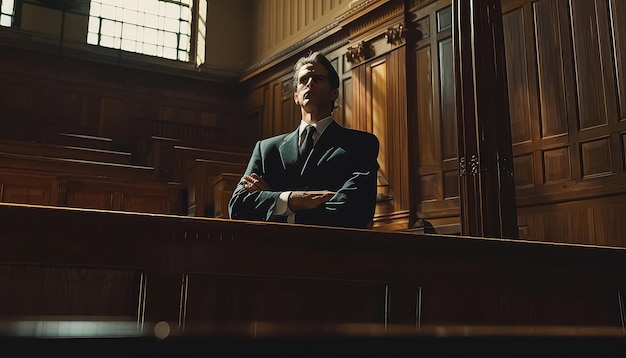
320	126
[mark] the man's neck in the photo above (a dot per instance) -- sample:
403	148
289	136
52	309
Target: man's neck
311	118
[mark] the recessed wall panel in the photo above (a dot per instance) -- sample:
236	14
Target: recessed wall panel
596	157
550	70
523	170
517	75
556	165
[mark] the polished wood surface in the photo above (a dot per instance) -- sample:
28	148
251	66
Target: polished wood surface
196	271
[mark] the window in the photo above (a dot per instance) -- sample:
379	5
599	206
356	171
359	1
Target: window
153	27
7	10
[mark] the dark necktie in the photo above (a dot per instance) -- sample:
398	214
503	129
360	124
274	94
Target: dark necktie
307	144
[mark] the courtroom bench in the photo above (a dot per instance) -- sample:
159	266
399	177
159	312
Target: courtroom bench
84	191
171	156
194	273
38	149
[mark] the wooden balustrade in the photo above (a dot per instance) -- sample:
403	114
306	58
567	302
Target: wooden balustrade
197	272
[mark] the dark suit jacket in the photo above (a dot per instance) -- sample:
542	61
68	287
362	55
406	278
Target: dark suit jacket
343	160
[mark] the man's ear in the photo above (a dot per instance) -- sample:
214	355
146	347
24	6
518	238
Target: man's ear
335	94
295	98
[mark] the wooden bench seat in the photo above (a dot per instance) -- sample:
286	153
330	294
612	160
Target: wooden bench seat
74	166
88	192
65	151
169	156
61	138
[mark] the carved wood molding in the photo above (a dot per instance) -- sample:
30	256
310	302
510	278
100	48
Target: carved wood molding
415	4
359	53
396	35
369	21
360	9
295	47
350	20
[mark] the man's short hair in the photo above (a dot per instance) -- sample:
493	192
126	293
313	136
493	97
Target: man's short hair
316	57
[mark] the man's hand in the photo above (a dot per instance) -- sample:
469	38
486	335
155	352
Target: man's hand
304	200
254	182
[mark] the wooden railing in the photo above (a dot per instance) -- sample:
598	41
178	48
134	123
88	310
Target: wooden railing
194	272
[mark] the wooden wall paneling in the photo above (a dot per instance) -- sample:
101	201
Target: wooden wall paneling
29	291
267	124
27	189
336	58
623	149
200	185
277	107
399	186
444	87
556	165
523	165
218	298
618	11
595	221
522	74
91	199
436	190
380	121
523	306
223	187
556	107
550	68
517	75
593	57
596	157
426	115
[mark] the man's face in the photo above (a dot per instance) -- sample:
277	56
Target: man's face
314	92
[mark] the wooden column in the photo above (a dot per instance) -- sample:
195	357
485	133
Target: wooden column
487	189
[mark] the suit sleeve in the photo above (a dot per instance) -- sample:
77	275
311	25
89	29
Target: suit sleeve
257	206
354	203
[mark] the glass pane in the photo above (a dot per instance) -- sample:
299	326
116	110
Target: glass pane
128	45
106	41
185	14
94	24
170	39
170	53
7	7
131	4
171	25
5	20
107	28
95	9
108	11
130	16
152	7
92	39
185	28
153	27
150	36
140	31
184	42
129	32
151	21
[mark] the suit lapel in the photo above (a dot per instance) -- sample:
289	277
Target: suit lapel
289	150
327	143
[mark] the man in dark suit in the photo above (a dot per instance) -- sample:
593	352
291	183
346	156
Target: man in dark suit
332	184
